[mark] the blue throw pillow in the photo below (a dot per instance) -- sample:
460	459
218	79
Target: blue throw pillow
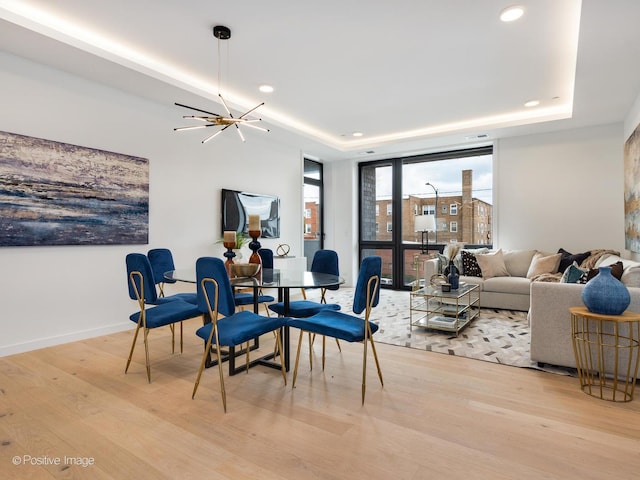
572	274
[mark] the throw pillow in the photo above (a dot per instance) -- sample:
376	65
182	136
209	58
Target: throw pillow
470	265
492	264
443	261
568	258
616	270
572	274
543	264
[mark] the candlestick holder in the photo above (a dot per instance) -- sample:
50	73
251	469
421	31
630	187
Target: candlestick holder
229	254
254	245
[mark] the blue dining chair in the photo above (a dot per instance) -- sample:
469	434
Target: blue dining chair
152	314
348	327
161	260
215	298
324	261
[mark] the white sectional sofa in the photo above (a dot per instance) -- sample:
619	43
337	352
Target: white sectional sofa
549	314
547	302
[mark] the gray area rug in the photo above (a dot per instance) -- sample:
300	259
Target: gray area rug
499	336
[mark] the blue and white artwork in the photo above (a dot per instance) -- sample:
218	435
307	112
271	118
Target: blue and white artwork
632	192
54	193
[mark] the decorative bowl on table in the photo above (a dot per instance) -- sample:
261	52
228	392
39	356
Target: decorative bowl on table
245	269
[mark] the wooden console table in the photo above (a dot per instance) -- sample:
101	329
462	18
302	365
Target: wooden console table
600	340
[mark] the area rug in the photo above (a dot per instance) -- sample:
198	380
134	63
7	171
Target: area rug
499	336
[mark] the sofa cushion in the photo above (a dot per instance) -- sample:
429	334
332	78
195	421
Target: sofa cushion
472	281
568	258
543	264
470	266
518	261
512	285
492	264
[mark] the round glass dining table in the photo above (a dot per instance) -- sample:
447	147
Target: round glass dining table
268	278
282	279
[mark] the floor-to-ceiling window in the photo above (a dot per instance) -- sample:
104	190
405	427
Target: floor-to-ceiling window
455	189
312	209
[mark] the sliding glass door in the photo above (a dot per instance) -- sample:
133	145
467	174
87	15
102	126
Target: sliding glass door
454	189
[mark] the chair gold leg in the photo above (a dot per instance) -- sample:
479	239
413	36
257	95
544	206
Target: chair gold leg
375	356
207	349
324	346
133	346
172	327
312	337
364	369
181	339
223	393
339	347
295	369
146	354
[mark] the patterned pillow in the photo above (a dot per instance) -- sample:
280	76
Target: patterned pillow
443	261
470	265
573	274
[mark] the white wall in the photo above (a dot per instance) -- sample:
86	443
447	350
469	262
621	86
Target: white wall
555	190
633	118
561	190
55	294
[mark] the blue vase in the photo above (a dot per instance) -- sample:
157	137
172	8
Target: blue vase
453	277
605	294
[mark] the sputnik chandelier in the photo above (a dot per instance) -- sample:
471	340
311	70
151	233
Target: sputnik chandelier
214	119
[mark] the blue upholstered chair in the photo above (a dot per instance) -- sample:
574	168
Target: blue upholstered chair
324	261
350	328
215	298
161	260
152	314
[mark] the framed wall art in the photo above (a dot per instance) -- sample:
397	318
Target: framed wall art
632	192
54	193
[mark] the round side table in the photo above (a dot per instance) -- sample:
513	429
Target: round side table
607	349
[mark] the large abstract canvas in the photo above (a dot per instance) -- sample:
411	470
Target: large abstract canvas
632	191
54	193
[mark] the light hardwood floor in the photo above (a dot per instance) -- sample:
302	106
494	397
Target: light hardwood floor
436	417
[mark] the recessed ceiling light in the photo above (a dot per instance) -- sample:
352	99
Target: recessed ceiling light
511	13
479	136
357	134
265	88
532	103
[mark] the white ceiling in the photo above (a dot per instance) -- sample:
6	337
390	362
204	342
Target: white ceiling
412	75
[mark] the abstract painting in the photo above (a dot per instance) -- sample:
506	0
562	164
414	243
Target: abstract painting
632	191
54	193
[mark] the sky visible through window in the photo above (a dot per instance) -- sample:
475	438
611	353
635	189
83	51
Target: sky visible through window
445	175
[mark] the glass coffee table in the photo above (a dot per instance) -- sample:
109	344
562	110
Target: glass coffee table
446	311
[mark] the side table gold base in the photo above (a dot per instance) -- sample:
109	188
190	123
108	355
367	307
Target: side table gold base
601	341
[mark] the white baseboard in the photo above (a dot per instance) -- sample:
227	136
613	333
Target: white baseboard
60	339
